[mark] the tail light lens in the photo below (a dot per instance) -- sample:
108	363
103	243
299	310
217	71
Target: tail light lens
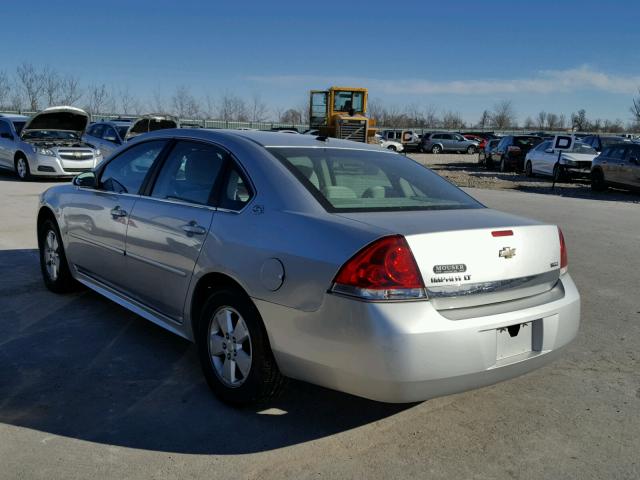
564	258
383	270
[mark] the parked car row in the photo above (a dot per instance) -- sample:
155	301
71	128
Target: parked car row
606	160
59	142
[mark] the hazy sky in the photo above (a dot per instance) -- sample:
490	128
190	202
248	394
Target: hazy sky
463	56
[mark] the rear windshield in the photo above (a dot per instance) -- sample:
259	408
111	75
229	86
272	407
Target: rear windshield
122	131
526	141
360	180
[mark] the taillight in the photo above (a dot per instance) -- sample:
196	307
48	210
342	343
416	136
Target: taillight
513	148
383	270
564	258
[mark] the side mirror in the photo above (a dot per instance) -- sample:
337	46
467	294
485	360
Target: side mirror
549	150
6	135
86	180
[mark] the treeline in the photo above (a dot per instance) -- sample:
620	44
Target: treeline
30	88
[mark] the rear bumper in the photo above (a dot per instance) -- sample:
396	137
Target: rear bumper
406	352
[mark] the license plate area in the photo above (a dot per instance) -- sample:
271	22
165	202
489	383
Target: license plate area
515	340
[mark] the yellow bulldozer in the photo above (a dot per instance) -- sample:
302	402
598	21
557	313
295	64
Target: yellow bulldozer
341	112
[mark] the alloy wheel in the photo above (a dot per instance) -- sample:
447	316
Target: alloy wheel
52	255
230	346
21	167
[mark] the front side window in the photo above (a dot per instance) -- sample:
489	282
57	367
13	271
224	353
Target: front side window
4	128
96	130
355	180
543	146
109	134
618	152
189	173
126	172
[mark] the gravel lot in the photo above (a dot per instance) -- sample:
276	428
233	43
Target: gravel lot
89	390
464	171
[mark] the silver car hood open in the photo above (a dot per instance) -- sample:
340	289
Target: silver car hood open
63	118
150	123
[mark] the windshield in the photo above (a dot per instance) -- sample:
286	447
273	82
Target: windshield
526	142
359	180
122	131
580	147
49	135
344	101
18	126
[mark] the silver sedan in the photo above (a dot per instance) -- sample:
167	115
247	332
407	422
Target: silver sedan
319	259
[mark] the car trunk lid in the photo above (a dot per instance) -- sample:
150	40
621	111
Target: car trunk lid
476	256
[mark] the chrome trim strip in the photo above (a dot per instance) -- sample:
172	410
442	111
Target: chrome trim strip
96	243
156	264
146	312
484	293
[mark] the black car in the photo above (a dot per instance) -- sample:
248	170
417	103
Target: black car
510	152
599	143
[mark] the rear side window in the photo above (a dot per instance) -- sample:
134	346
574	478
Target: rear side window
235	192
617	152
126	172
189	173
360	180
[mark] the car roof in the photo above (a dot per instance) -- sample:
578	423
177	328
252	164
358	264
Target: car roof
266	139
13	117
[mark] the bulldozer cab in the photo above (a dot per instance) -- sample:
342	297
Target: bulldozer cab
341	112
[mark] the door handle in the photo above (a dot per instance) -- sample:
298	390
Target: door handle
194	229
118	212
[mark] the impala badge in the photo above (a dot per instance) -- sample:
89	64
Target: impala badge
507	252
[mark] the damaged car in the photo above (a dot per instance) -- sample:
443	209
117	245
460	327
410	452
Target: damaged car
110	135
47	144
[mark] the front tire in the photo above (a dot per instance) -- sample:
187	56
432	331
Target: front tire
53	260
22	168
471	150
234	350
436	149
392	148
598	183
503	165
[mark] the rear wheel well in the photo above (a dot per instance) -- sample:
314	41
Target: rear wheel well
207	284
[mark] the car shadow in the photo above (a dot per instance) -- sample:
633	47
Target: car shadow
9	176
80	366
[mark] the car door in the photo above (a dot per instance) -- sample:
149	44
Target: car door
97	218
546	158
630	168
459	142
615	164
497	154
6	144
169	226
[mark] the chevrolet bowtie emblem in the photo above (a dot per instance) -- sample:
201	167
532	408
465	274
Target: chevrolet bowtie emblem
507	252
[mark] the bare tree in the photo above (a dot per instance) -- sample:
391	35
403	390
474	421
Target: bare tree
375	110
98	99
5	88
529	123
552	121
579	120
157	104
127	103
635	108
258	109
70	91
232	108
562	121
184	104
51	85
485	119
30	82
431	119
541	120
452	120
503	115
292	116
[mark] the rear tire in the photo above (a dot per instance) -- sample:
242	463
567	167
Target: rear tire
22	168
53	260
471	150
240	370
436	149
598	183
392	148
528	169
503	165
